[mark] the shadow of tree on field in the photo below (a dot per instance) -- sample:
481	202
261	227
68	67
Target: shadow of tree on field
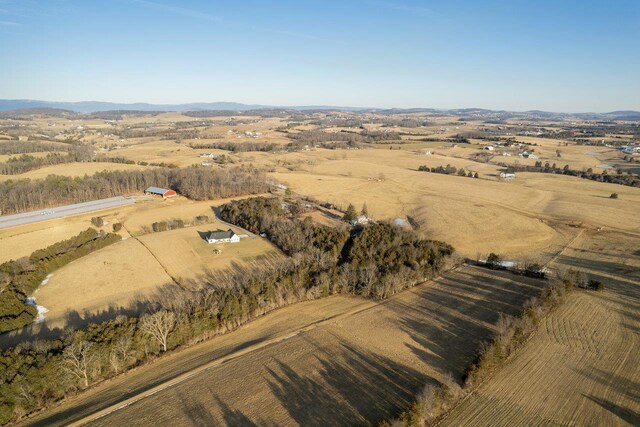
233	417
628	415
447	327
197	413
355	387
201	414
624	385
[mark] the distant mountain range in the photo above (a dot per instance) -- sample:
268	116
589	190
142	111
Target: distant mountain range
40	107
96	106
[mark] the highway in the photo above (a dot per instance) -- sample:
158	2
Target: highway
62	211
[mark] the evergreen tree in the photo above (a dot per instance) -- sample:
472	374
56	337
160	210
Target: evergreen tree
350	214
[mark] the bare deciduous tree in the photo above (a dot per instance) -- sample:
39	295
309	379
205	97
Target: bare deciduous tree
79	359
158	325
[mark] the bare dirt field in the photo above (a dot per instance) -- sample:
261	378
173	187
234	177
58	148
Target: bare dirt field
362	364
582	367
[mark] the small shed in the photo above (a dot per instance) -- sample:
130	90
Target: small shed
220	236
160	192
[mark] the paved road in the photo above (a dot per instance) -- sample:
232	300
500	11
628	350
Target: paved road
61	211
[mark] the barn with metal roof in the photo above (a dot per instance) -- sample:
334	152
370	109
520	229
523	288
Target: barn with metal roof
160	192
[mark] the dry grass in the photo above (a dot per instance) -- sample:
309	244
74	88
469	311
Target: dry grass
19	241
475	215
186	255
583	366
339	361
114	276
71	169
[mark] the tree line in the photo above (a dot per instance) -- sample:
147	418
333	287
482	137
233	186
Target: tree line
238	147
194	183
23	147
628	179
448	170
375	261
20	278
25	163
365	136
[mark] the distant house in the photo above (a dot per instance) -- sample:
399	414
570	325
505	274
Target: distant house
220	236
157	191
507	175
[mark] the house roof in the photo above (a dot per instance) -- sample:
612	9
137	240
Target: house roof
220	234
156	190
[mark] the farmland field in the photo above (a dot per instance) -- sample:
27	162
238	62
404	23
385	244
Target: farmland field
349	361
344	360
582	367
70	169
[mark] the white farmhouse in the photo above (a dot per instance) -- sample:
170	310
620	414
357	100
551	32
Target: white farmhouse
507	175
220	236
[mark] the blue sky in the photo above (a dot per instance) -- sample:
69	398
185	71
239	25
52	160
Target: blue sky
559	55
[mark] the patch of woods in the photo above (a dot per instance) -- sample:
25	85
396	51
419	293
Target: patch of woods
374	261
241	147
511	333
194	183
23	147
175	224
26	162
20	278
618	177
352	138
75	153
448	170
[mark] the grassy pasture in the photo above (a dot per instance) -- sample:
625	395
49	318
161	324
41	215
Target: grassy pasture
71	169
114	277
186	255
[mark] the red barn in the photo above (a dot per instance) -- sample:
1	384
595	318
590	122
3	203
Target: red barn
160	192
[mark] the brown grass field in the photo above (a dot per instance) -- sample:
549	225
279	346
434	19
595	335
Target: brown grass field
344	360
186	255
338	361
475	215
19	241
119	275
70	169
582	367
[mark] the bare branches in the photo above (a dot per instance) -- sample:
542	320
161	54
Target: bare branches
79	360
158	326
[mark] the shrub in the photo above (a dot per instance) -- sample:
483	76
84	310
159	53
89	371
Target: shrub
117	226
97	221
159	226
613	196
596	285
494	260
